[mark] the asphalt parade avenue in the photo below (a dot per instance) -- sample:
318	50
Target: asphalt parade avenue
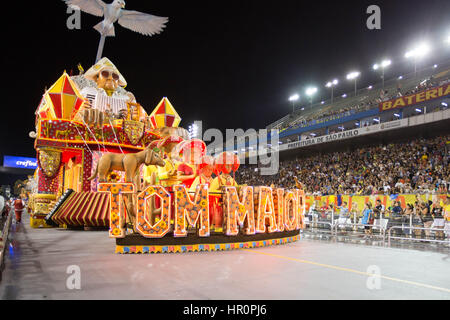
37	262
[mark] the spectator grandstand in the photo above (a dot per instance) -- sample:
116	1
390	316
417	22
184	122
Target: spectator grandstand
420	166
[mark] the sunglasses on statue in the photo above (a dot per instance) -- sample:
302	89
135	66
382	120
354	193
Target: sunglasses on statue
106	74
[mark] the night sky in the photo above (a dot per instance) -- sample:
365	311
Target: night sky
232	64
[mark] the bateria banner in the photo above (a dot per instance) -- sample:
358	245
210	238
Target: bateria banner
412	99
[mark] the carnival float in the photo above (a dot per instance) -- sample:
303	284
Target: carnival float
104	162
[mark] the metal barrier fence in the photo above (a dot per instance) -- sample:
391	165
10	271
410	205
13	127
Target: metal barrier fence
4	240
416	239
383	226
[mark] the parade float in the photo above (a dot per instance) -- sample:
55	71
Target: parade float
103	161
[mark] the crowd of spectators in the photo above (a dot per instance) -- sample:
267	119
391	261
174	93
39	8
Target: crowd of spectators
420	166
419	218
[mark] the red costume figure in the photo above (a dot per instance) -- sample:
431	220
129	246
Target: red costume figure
6	209
224	164
191	152
19	206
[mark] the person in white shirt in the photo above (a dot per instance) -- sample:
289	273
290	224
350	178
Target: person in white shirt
344	217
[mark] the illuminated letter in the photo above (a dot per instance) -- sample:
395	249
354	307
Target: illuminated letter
301	200
238	212
116	212
185	209
290	211
278	201
143	224
265	210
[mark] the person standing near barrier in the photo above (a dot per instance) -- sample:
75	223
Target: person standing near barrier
379	210
343	215
368	219
446	207
439	221
427	218
313	214
355	215
19	206
415	219
396	217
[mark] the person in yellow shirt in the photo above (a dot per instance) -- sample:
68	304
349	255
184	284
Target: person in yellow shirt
170	138
166	176
446	207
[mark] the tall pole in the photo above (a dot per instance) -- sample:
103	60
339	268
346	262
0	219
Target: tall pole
100	48
355	87
331	94
382	77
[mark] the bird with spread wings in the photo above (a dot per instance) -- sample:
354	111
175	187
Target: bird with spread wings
143	23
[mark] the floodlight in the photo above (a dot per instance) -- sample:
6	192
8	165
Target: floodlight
311	91
353	75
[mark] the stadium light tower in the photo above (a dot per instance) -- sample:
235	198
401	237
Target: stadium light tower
193	131
294	98
331	85
353	76
310	92
417	53
382	66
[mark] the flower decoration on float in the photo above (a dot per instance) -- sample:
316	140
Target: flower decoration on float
113	177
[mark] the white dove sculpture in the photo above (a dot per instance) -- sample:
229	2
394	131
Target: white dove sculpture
143	23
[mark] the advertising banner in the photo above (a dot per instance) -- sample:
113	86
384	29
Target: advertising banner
412	99
19	162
